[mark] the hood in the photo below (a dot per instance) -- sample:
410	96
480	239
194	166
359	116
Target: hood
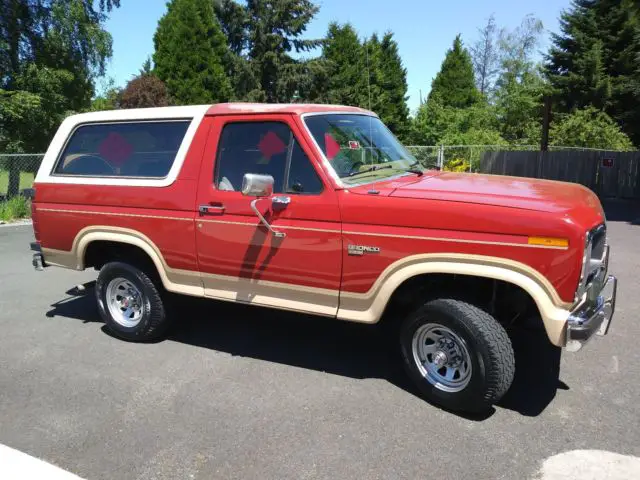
512	192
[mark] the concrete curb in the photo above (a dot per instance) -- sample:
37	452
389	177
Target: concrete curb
19	223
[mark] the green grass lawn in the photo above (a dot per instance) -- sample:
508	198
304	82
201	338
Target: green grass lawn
26	181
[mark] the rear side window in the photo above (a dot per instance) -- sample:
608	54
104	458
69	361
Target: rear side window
131	149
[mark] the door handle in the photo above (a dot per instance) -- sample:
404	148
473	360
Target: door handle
211	209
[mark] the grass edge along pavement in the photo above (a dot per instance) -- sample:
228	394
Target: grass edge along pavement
15	208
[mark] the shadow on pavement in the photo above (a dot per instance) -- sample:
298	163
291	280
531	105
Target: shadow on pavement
618	210
80	304
315	343
537	376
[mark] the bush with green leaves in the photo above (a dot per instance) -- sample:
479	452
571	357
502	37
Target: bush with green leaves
15	208
589	128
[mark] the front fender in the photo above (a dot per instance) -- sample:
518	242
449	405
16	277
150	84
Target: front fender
368	307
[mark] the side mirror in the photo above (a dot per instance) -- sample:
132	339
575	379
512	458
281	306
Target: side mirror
259	186
255	185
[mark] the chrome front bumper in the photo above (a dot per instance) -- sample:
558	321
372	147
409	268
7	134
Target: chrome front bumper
593	316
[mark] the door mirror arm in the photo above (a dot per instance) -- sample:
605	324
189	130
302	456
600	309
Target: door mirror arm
264	220
261	186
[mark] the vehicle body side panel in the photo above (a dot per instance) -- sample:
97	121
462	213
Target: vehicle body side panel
232	244
165	215
401	227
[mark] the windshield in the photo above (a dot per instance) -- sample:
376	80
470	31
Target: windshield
360	148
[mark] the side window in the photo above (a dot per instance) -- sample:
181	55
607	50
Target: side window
302	176
131	149
266	148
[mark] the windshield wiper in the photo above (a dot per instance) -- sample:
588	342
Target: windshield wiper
413	168
370	169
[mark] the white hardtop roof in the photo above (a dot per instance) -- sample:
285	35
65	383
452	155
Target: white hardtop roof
157	113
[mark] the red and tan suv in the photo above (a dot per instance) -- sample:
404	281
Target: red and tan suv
319	209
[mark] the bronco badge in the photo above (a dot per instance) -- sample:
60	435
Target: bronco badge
361	249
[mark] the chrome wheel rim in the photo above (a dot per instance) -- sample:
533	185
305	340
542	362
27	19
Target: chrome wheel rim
125	302
442	357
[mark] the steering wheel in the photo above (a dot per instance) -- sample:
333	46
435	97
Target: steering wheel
89	165
355	168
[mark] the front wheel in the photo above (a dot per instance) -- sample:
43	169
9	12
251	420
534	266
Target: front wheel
459	356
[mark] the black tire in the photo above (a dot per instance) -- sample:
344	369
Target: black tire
154	321
488	345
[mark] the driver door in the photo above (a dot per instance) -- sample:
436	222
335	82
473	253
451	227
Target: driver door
239	258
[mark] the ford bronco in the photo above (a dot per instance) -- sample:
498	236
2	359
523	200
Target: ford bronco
319	209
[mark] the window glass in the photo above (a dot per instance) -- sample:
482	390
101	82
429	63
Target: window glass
264	148
132	149
359	147
302	176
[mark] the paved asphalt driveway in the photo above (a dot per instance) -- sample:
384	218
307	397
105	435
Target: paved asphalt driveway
238	392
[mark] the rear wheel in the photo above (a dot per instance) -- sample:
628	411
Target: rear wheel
130	302
458	355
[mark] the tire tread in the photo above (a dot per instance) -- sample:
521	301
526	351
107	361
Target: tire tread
158	322
502	369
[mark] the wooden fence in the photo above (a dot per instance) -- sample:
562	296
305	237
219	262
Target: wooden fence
609	174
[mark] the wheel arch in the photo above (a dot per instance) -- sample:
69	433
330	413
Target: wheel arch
370	306
173	280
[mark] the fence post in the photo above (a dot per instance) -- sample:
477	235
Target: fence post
13	188
440	157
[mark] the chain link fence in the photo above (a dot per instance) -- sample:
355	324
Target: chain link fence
459	158
17	172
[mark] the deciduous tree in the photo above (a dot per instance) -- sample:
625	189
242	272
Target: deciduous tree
144	91
590	128
51	52
485	55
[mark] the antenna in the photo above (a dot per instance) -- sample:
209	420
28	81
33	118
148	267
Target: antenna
370	119
368	77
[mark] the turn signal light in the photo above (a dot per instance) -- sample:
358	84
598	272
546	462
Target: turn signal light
549	241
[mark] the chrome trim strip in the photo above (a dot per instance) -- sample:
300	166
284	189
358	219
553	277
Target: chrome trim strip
116	214
456	240
311	229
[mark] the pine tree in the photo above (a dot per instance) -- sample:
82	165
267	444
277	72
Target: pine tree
345	57
392	81
190	49
262	35
275	28
575	63
593	61
454	84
